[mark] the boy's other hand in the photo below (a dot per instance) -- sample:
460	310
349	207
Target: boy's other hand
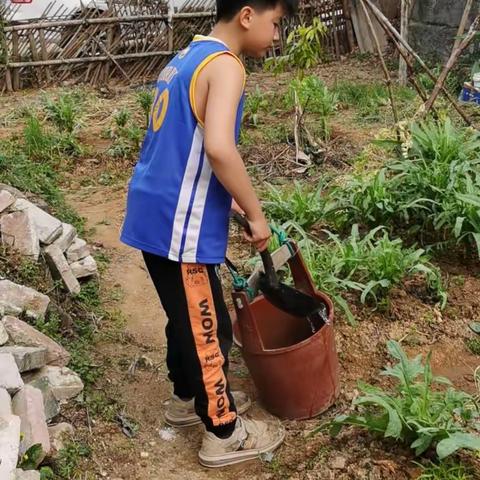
261	234
237	208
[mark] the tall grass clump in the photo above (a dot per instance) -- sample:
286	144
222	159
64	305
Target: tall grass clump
369	265
433	194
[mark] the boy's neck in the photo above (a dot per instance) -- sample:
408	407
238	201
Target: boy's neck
224	32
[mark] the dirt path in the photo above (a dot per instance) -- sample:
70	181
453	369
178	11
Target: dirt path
148	456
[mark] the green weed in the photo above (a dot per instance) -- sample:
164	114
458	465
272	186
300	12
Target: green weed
145	99
445	471
370	265
67	463
415	412
303	205
432	194
473	344
314	97
64	112
255	102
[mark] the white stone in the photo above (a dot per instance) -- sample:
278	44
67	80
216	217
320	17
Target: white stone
61	269
18	298
22	333
19	232
48	228
10	378
65	383
28	405
6	199
27	474
69	233
5	403
50	403
3	331
87	267
27	358
9	445
59	434
78	250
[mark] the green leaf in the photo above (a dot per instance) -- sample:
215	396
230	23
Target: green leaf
421	444
32	457
457	441
470	199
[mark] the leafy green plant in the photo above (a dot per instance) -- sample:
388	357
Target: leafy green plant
435	190
304	49
314	97
416	412
127	136
145	99
370	265
302	204
64	112
445	471
254	103
41	144
473	344
32	457
66	465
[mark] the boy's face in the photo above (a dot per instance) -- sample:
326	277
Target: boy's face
262	28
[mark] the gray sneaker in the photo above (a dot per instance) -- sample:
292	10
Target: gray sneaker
250	439
182	414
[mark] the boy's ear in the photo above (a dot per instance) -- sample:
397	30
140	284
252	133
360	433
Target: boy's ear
246	16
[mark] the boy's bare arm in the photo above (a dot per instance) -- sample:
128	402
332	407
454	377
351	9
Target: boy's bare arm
225	78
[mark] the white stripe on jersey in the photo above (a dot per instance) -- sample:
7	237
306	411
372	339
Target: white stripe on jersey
186	194
196	217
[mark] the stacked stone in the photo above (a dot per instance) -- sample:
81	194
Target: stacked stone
32	231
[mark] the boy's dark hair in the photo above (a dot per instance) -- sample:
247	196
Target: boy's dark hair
227	9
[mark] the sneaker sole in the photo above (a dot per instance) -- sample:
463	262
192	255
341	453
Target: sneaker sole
195	420
239	456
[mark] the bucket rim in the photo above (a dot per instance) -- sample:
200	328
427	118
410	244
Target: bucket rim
296	346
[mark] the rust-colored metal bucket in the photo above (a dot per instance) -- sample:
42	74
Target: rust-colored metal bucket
296	372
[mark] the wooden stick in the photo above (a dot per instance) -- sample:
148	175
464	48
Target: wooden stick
463	23
406	10
15	56
103	21
472	33
388	78
72	61
391	31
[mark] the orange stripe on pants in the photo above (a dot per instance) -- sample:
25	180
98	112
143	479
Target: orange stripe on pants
203	319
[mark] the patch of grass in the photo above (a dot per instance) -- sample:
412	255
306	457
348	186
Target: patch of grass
65	111
301	204
275	134
66	466
370	265
432	193
127	136
255	102
314	97
39	178
473	344
369	98
445	471
416	412
42	144
145	98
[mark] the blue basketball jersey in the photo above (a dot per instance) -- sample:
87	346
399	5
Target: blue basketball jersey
176	207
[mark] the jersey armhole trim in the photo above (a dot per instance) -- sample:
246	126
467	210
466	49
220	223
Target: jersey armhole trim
198	70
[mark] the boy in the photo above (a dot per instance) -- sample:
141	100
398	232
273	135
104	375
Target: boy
178	212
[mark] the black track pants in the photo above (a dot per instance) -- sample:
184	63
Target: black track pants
199	338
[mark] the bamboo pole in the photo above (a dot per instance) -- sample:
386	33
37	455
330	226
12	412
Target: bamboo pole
388	78
472	33
406	10
463	23
99	58
391	31
104	21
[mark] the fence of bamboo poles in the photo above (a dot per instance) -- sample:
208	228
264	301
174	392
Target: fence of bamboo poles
127	42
